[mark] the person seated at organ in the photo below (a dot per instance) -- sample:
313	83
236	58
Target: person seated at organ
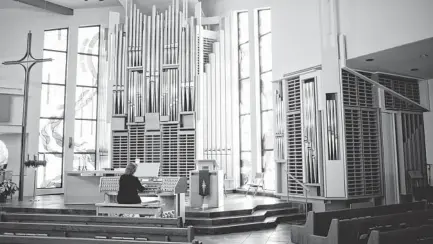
129	186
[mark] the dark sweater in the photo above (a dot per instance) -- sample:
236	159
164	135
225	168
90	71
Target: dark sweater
129	186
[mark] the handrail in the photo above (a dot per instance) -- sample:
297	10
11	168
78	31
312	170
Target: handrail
392	92
297	181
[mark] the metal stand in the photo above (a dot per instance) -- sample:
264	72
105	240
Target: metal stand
27	62
34	186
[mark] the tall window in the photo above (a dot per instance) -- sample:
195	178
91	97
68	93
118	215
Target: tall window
53	108
86	98
244	95
265	71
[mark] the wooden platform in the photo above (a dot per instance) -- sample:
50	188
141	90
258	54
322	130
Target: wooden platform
245	212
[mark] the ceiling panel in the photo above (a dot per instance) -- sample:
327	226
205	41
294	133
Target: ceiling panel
78	4
413	59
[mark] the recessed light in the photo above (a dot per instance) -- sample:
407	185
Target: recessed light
414	69
423	56
369	59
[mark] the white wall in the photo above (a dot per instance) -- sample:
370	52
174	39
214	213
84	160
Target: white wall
14	26
375	25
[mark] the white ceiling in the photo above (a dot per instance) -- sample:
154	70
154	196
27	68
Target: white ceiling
77	4
400	60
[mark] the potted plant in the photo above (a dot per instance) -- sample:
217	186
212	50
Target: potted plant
7	188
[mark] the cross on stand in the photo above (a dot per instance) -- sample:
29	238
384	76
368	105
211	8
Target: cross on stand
27	62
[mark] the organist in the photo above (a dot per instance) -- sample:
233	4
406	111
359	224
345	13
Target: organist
129	186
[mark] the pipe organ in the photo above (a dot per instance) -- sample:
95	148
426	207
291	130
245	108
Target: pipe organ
172	95
153	71
331	143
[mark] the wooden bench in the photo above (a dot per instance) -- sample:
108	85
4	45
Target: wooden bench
412	235
56	240
357	230
318	223
99	231
89	220
116	208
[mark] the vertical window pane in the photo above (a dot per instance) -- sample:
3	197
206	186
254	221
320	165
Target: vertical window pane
51	135
246	132
50	176
54	72
88	40
246	167
264	21
86	103
85	136
56	40
84	161
243	33
269	166
245	99
52	101
266	94
87	70
265	45
244	61
267	130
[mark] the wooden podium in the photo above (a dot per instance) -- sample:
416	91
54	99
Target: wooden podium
215	199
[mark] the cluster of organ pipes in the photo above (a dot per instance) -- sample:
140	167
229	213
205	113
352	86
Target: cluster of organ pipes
279	125
161	66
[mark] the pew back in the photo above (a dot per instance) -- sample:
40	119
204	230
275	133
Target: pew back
350	230
322	220
412	235
93	231
6	239
89	220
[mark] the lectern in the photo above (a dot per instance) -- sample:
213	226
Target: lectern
215	197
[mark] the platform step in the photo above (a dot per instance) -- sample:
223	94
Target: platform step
260	215
270	222
229	213
74	211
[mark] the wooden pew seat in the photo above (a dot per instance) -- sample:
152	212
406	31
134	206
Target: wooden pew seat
93	231
357	231
89	220
412	235
318	223
5	239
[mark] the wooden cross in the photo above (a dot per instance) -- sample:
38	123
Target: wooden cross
27	62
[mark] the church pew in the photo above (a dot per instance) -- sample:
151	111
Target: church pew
89	220
357	230
92	231
318	223
9	239
419	235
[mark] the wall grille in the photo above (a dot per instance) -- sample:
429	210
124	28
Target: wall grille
406	87
119	149
136	142
362	137
153	146
170	150
186	152
294	137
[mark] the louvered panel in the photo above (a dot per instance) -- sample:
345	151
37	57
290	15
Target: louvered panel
119	149
136	142
186	152
153	147
207	48
294	137
355	169
293	95
371	152
170	157
350	89
356	91
405	86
